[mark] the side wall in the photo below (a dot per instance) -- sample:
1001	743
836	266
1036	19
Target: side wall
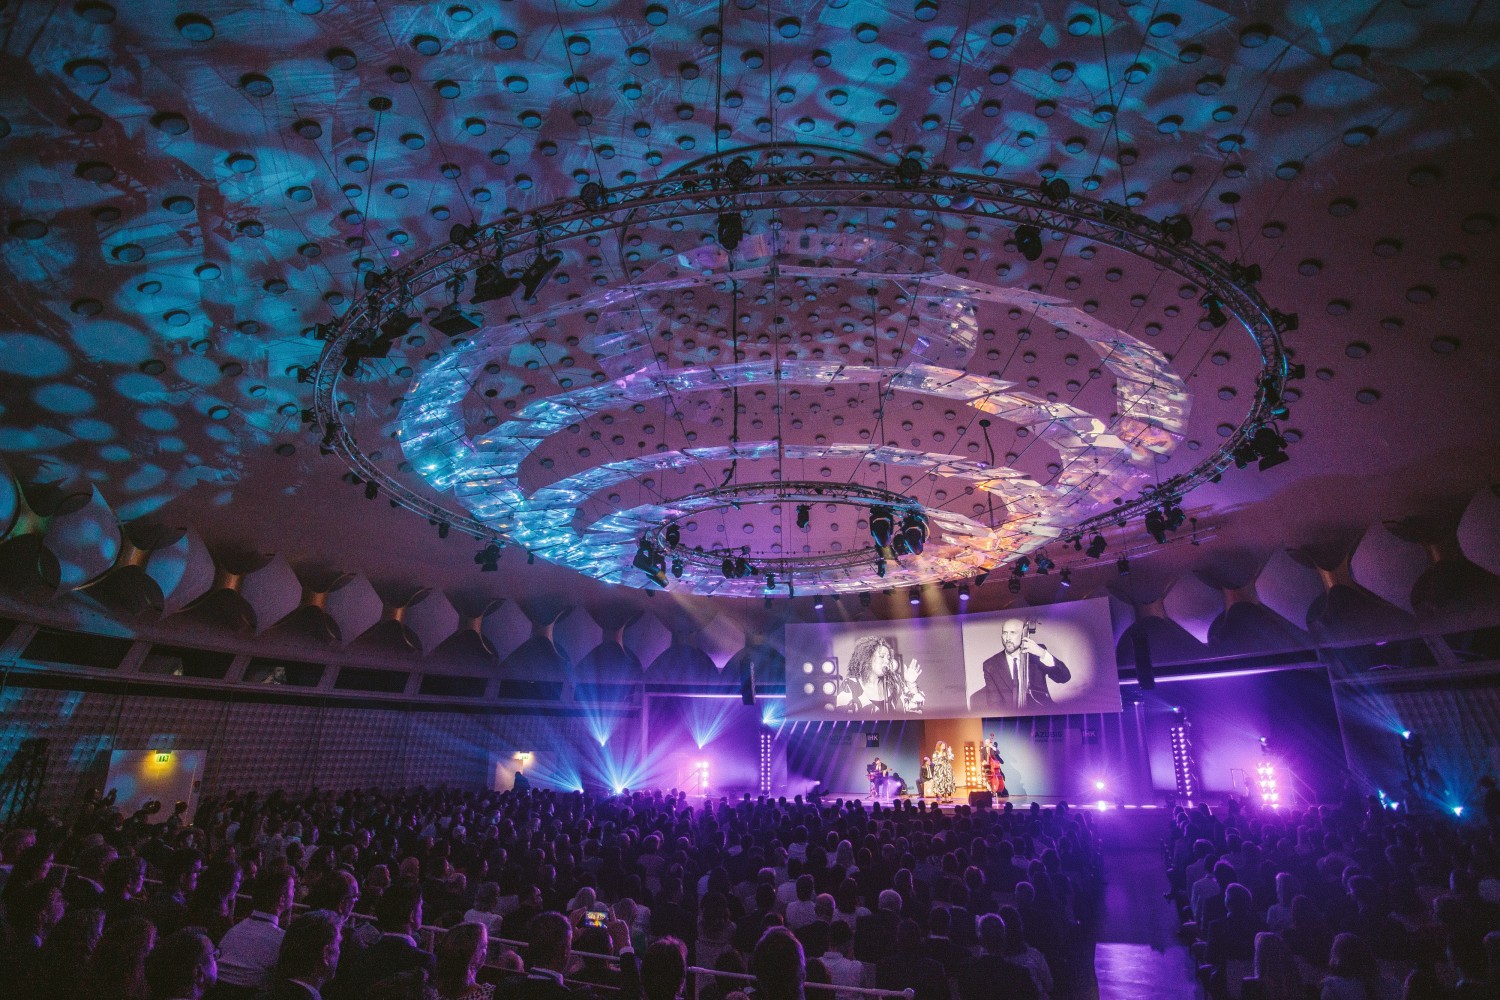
267	745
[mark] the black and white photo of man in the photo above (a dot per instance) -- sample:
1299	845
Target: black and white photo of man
1015	679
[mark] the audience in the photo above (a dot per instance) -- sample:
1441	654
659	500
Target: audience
887	895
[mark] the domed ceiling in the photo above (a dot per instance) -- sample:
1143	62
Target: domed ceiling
195	195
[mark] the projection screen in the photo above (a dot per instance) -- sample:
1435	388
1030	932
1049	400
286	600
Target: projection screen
1053	660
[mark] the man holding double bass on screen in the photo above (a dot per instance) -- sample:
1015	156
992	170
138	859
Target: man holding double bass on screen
1015	679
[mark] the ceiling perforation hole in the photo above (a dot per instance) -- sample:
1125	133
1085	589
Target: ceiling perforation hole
1367	396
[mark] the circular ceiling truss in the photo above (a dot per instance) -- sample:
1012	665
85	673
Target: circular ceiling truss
770	187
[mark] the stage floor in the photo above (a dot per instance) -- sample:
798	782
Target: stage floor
1017	801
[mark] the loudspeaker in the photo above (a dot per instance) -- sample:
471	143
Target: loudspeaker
1144	675
981	800
747	682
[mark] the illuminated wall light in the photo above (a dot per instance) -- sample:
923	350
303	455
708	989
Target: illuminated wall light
971	766
766	739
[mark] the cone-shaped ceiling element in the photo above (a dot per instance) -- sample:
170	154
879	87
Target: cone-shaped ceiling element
683	659
1194	605
1479	530
10	501
272	591
81	545
354	607
1288	587
1387	565
431	618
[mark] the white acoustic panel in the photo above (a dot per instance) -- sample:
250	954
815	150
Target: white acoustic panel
183	571
84	543
432	618
1194	605
272	592
506	627
1388	566
1479	530
354	606
1288	587
10	500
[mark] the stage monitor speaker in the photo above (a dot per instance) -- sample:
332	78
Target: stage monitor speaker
981	800
1144	675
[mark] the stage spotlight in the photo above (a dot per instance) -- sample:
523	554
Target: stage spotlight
914	531
731	230
914	596
864	599
488	558
592	195
742	567
880	567
1270	446
1213	310
909	170
1023	567
1029	242
738	171
1284	322
1249	274
770	582
534	278
1013	585
491	282
1177	228
396	326
1406	734
677	568
1056	189
673	534
649	562
1155	527
1458	811
1077	543
818	603
1244	454
804	516
1065	578
727	567
882	525
460	234
1296	372
963	593
1099	784
1043	564
1122	564
451	321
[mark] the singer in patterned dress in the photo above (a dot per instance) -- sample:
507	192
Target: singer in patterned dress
942	771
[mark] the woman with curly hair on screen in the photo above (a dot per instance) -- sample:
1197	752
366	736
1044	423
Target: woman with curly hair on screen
876	682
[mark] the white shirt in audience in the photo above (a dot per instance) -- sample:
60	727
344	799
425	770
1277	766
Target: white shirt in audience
247	955
801	912
847	972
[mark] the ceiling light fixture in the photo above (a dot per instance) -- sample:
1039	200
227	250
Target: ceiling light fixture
790	180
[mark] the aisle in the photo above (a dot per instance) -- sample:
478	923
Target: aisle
1139	956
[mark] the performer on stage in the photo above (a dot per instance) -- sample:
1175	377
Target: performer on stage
878	774
924	778
942	771
989	762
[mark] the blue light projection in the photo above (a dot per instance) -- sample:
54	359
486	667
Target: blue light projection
188	197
